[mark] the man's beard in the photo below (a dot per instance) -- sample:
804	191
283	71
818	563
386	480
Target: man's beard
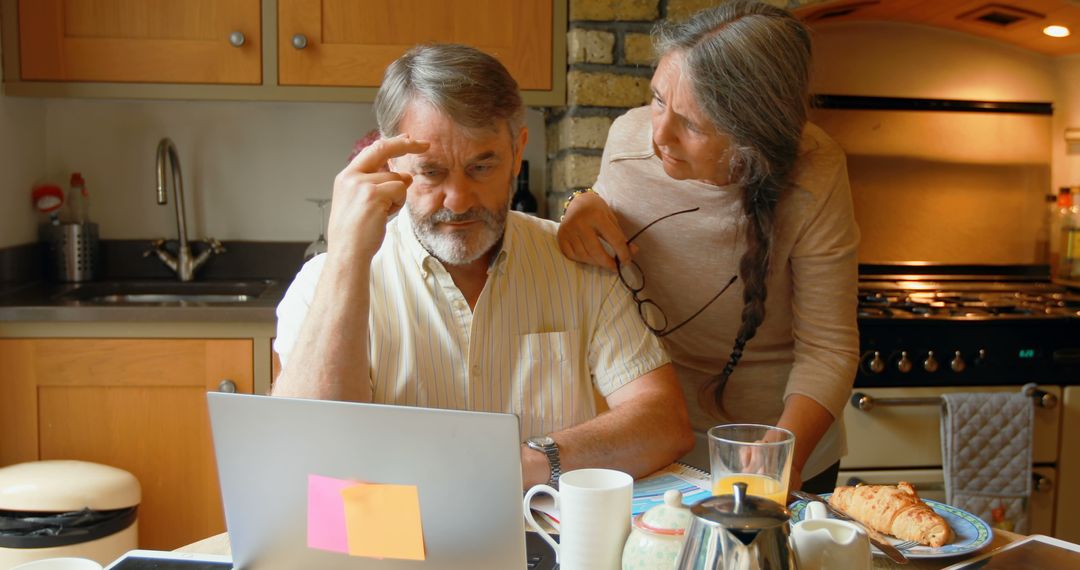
459	247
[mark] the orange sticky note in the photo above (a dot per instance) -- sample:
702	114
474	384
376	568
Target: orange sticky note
383	521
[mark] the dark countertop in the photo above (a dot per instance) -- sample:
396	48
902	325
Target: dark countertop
260	269
47	302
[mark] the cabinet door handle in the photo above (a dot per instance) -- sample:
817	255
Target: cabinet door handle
227	386
299	41
237	39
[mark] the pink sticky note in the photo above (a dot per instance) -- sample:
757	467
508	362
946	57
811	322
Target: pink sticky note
326	514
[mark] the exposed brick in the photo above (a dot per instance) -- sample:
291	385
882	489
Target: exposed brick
637	49
680	9
574	171
580	132
590	46
606	89
554	205
614	10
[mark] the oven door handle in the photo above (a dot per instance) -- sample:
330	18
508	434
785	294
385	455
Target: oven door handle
1040	483
866	402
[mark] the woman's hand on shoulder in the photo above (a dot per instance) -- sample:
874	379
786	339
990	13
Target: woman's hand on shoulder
589	233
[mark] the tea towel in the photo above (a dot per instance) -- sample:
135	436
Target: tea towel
986	454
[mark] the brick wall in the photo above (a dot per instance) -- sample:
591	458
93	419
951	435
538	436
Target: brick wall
609	64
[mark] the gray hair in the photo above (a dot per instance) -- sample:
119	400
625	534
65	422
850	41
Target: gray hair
749	64
749	67
462	82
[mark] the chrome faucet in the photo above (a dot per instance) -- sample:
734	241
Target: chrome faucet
183	264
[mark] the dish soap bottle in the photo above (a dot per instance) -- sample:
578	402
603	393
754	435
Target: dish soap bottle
79	199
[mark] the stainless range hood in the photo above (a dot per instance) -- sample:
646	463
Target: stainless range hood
944	181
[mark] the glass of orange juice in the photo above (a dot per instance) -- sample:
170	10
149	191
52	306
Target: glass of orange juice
758	455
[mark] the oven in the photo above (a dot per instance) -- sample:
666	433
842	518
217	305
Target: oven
926	330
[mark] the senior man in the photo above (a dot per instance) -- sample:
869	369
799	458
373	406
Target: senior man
458	302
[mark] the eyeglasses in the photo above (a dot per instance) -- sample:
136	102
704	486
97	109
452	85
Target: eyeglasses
634	279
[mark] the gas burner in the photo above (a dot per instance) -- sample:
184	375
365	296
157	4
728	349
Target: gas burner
967	302
871	311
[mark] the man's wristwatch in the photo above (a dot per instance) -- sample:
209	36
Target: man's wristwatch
546	445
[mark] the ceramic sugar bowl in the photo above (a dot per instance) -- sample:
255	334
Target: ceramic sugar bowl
657	535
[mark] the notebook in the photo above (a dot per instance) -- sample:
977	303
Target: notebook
321	484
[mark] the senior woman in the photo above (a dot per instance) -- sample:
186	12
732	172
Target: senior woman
731	217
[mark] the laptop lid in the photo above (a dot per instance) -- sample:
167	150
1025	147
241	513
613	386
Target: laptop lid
283	464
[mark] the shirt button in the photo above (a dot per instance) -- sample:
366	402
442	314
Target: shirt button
476	371
459	305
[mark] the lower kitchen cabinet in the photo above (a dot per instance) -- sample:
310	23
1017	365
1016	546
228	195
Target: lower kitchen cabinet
1067	522
136	404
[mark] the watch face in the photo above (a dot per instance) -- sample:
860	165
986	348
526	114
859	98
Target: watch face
543	441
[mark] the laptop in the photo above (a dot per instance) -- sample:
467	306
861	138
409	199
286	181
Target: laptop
313	484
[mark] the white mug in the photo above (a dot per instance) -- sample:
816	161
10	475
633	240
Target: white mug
822	543
594	518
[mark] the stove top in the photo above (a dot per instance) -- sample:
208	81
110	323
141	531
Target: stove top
967	302
963	293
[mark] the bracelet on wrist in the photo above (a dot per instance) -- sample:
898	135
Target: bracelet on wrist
570	198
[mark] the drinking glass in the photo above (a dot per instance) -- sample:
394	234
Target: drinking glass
758	455
319	245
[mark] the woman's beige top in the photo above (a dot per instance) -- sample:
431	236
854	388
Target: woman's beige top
809	342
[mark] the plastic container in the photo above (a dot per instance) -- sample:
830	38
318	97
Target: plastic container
55	509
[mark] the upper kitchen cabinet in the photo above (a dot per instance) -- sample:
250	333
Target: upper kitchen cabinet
142	41
317	50
349	43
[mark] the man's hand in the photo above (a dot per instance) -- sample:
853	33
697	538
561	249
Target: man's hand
366	195
589	220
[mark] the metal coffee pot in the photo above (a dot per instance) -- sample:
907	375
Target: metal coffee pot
737	532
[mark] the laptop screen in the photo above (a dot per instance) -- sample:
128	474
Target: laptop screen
320	484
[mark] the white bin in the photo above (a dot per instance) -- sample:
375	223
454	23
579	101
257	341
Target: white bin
51	509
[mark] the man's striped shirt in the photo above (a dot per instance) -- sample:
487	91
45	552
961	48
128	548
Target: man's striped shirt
544	331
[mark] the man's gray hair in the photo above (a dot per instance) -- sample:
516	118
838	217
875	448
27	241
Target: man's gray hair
462	82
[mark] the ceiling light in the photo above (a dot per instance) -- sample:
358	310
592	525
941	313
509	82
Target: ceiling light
1056	31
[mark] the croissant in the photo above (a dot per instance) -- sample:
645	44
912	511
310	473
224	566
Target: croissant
893	510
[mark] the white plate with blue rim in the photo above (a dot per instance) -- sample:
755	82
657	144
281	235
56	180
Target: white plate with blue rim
971	532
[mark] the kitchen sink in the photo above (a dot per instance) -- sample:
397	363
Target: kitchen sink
151	292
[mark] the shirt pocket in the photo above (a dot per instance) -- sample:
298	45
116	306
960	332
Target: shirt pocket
551	382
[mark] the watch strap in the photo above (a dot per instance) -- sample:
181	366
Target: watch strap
551	451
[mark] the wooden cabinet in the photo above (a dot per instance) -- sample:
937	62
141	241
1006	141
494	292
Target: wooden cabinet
136	404
181	49
1067	522
349	43
149	41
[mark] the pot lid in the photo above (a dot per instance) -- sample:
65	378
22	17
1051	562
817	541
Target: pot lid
739	511
668	518
64	485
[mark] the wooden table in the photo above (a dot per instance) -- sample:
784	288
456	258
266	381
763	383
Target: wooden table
219	544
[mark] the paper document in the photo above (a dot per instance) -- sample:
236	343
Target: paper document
649	491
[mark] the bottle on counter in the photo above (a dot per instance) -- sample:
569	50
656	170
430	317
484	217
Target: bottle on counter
1058	212
78	200
1069	238
1044	242
523	200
